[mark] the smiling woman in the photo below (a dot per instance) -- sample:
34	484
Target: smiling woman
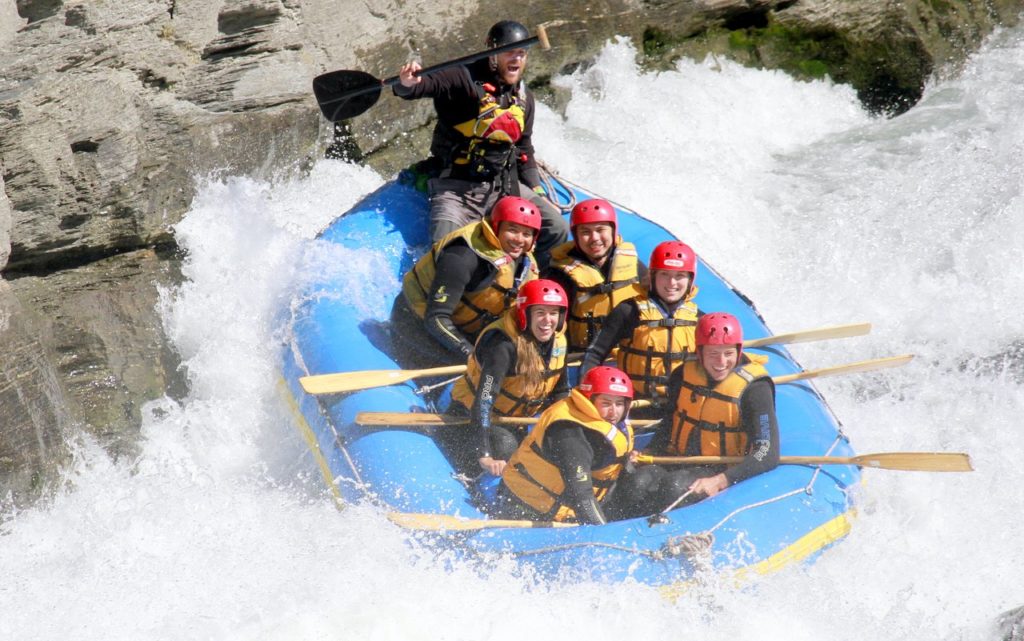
517	369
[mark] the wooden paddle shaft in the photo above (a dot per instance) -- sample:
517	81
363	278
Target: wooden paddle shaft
426	419
352	381
541	38
907	461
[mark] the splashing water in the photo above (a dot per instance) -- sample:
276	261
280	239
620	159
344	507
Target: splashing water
222	529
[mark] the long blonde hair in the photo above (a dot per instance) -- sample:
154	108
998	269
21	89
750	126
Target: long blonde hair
529	363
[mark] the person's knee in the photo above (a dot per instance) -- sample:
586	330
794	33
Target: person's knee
673	485
441	227
648	479
503	443
555	224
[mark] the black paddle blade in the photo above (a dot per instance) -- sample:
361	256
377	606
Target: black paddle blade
345	94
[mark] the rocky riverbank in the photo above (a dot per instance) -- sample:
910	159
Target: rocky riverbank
110	110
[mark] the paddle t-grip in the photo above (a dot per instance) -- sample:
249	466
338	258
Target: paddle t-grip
542	37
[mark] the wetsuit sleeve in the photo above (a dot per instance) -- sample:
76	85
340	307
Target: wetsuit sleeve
525	154
660	442
455	268
441	83
618	326
757	413
497	357
574	457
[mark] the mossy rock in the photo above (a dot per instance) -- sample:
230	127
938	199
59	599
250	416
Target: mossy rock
886	51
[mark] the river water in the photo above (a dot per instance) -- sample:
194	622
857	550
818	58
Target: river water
222	529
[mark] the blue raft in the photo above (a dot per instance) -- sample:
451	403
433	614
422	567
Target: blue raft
760	525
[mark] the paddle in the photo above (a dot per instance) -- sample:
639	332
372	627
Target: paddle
426	419
421	418
908	461
859	366
345	94
352	381
422	521
431	420
821	334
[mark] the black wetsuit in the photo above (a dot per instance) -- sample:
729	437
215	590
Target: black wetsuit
455	92
466	191
435	340
496	355
571	447
758	419
619	326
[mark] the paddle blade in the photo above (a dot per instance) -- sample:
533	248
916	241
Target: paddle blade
917	461
345	94
412	419
806	336
851	368
342	382
352	381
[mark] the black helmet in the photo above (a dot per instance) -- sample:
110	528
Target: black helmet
506	32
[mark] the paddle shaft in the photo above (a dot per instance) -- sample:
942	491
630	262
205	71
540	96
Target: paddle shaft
426	71
849	368
366	379
352	381
907	461
427	419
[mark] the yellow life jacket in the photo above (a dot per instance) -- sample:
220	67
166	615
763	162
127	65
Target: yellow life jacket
489	139
514	398
714	409
659	344
490	299
595	297
538	482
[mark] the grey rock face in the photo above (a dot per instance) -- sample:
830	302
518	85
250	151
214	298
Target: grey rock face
5	222
100	152
33	414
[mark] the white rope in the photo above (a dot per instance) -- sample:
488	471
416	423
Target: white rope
423	389
806	489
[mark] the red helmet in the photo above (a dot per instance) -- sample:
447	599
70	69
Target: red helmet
673	256
520	211
719	328
594	210
606	380
540	292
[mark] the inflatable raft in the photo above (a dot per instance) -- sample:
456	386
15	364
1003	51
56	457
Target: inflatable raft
760	525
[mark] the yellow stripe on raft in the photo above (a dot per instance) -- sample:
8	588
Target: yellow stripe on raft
307	434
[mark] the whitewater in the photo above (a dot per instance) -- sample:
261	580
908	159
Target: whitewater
222	527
